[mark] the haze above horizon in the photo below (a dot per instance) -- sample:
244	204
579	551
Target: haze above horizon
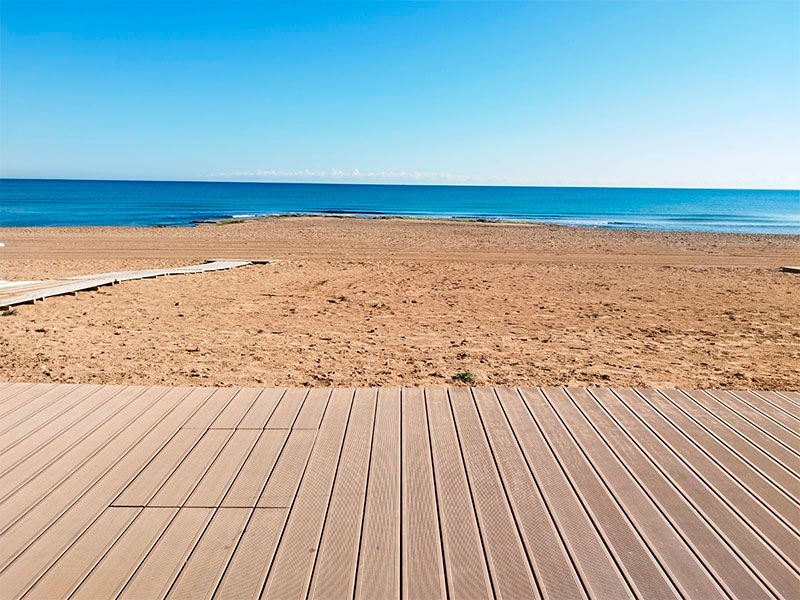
612	94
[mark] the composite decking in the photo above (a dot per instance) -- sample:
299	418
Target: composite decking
153	492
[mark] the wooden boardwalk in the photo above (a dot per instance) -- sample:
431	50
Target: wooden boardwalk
13	293
153	492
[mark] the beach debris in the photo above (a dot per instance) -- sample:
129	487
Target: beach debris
790	269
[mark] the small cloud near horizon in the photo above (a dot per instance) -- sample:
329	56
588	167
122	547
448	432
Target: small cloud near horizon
357	176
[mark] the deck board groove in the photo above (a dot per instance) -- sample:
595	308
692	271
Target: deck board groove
753	434
504	549
154	492
594	560
757	419
624	511
764	477
41	472
774	405
687	517
751	549
47	446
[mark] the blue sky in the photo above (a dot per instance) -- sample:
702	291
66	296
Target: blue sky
655	94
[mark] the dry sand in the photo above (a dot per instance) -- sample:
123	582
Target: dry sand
398	302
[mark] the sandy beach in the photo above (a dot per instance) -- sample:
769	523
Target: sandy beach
357	302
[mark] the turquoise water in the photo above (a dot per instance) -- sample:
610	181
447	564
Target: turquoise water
37	202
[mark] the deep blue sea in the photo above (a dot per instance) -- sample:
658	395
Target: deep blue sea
51	202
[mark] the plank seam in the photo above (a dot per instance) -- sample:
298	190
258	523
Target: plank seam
711	487
511	510
472	497
448	592
764	414
364	504
771	403
607	485
89	488
735	452
545	501
579	496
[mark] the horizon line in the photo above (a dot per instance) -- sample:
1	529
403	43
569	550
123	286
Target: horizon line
611	187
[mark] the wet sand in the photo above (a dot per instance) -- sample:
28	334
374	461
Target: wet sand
401	302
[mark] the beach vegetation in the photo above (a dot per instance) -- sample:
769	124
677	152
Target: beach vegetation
465	377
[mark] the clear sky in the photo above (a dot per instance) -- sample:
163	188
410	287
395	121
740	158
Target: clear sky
650	93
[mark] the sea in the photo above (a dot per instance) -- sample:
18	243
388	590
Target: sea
59	202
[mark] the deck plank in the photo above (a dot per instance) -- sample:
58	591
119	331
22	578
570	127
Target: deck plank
625	514
9	390
211	409
206	565
46	496
252	559
48	423
115	569
548	556
791	396
310	414
75	564
769	409
262	409
33	543
33	394
422	561
378	573
596	567
150	479
756	553
154	492
466	571
234	412
780	402
695	526
31	480
286	412
46	404
505	554
762	476
337	560
293	564
49	443
157	573
765	522
251	479
747	430
181	483
285	478
784	436
216	481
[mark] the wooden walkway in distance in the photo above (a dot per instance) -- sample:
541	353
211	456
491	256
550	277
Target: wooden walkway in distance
13	293
154	492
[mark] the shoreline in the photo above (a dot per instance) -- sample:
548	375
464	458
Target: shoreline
485	221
